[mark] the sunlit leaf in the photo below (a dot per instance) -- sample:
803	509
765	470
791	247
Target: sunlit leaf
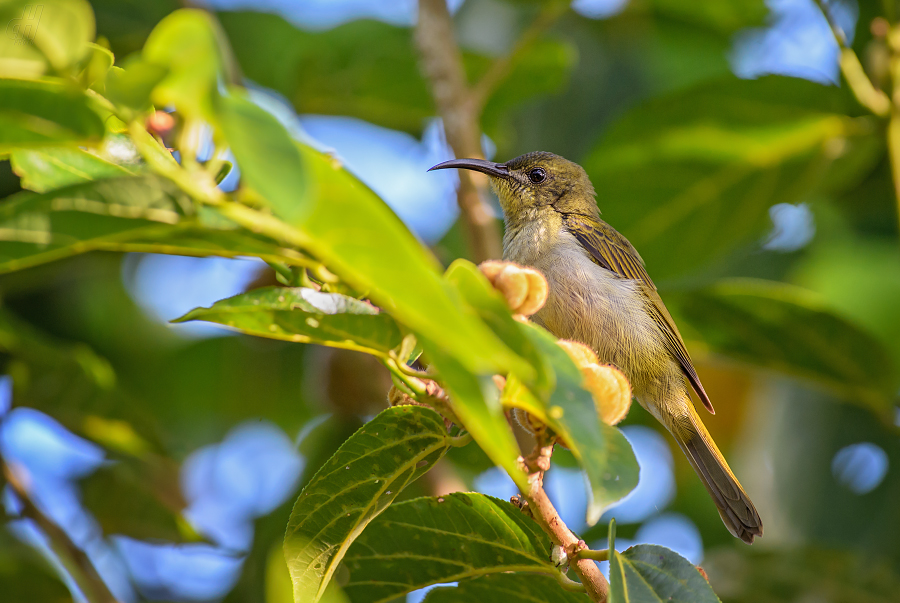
530	588
38	113
48	168
789	329
186	43
305	315
355	486
50	36
443	539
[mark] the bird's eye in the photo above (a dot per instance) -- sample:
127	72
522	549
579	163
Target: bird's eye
537	175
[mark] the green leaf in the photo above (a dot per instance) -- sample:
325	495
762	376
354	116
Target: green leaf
53	35
528	588
141	213
43	112
690	177
649	572
186	43
789	329
443	539
49	168
722	17
476	402
305	315
271	163
131	85
602	451
355	486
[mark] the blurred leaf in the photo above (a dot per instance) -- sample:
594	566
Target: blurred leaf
187	44
504	587
364	69
355	486
305	315
649	572
787	576
131	85
602	451
443	539
54	34
789	329
20	339
722	17
44	112
48	168
127	23
98	64
690	177
25	576
271	163
370	70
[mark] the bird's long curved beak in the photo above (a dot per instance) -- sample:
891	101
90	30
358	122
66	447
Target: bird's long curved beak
497	170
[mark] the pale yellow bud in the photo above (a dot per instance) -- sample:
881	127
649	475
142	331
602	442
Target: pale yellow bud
525	289
610	390
580	354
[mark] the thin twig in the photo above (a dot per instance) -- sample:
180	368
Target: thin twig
548	518
866	93
442	64
75	560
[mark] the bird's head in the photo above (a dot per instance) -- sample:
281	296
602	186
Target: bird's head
535	180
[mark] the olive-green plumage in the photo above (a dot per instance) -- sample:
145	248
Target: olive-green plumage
600	294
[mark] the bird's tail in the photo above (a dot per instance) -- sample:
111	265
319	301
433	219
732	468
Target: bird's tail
734	505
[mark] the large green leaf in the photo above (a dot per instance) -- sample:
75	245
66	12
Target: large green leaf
443	539
789	329
305	315
37	113
355	486
722	17
528	588
690	177
51	35
358	237
48	168
649	572
602	451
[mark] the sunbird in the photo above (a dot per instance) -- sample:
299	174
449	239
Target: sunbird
601	295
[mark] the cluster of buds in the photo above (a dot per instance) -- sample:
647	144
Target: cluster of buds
525	290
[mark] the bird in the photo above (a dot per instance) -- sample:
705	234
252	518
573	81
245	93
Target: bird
601	295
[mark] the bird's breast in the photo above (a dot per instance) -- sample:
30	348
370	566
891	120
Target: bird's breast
595	306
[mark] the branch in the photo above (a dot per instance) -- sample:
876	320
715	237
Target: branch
866	93
548	518
75	560
441	61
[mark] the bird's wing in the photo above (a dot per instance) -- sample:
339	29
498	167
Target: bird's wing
612	251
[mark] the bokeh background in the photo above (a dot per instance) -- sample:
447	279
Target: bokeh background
171	454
